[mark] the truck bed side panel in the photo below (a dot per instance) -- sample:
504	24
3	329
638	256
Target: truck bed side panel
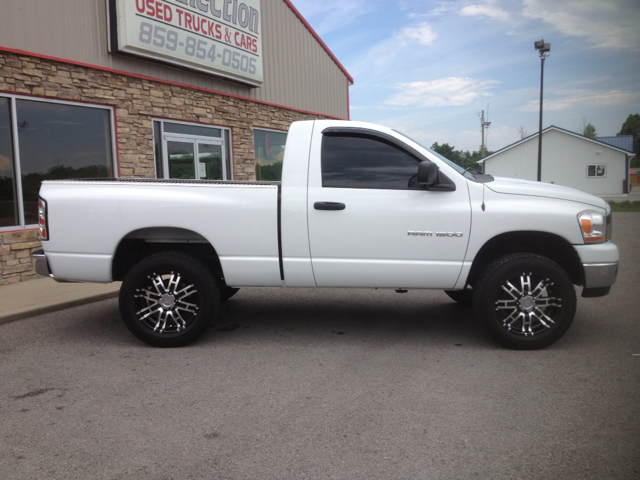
87	221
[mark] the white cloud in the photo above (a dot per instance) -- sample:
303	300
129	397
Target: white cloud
451	91
442	9
564	101
488	9
592	80
603	24
423	33
382	56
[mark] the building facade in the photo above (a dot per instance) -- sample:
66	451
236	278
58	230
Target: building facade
569	159
153	89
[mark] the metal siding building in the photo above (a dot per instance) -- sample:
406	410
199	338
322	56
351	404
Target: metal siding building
568	159
79	98
300	72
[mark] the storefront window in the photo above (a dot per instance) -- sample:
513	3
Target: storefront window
8	203
187	151
191	130
55	141
60	141
269	151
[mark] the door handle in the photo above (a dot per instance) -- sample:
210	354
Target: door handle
329	206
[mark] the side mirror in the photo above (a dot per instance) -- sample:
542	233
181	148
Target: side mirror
428	173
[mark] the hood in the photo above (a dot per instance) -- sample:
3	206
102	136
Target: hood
514	186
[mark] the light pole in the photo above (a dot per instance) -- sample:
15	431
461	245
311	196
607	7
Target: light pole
543	48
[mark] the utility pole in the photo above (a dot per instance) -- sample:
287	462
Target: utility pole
544	49
483	126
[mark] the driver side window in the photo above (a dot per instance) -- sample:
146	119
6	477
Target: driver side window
354	160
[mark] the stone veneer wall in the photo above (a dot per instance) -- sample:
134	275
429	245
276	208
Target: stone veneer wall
15	255
135	101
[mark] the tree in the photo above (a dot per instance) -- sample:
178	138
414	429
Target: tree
522	132
465	159
631	126
589	130
447	151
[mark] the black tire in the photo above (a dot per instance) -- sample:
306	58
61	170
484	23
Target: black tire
463	297
525	301
169	299
227	292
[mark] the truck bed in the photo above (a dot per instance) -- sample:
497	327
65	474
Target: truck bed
239	219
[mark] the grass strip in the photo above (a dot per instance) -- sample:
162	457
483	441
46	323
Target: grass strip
625	206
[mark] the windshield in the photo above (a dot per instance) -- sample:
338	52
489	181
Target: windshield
455	166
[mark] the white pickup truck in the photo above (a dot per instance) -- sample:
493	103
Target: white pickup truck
359	205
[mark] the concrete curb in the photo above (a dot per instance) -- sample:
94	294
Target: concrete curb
8	317
35	297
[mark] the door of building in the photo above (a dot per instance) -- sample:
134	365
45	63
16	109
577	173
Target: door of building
190	157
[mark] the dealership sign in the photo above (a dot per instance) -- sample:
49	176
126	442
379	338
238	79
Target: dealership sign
222	37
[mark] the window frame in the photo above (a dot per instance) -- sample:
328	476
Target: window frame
596	165
22	225
225	140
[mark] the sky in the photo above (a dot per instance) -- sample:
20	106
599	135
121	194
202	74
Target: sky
428	68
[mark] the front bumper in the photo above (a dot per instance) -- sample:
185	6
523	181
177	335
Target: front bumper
598	279
600	266
600	275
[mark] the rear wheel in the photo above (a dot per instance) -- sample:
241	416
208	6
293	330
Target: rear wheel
169	299
525	301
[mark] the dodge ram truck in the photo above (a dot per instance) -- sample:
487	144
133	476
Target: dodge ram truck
359	206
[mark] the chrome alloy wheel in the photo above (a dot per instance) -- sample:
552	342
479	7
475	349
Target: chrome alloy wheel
528	305
167	304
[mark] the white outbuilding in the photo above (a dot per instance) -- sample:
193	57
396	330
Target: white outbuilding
592	165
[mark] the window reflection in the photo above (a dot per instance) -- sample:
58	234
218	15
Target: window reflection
269	152
181	160
8	203
192	130
210	161
60	141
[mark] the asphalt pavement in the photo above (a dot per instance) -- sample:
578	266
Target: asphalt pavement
326	383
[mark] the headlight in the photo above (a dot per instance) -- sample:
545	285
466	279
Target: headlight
594	226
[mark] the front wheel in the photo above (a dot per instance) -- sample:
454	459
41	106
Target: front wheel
169	299
525	301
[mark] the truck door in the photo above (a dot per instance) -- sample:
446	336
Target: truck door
372	225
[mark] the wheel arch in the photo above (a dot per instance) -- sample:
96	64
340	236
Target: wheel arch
140	244
548	245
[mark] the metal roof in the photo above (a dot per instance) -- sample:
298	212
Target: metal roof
625	142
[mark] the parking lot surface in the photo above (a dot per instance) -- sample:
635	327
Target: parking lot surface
326	383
